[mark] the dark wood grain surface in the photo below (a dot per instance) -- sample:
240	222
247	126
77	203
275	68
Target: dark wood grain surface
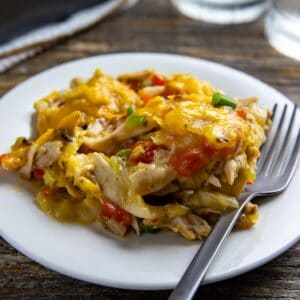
156	26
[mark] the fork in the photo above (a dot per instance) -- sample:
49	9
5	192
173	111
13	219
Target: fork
275	168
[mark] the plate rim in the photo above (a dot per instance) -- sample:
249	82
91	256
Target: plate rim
118	284
154	53
142	287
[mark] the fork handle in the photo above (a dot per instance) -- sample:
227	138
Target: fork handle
197	269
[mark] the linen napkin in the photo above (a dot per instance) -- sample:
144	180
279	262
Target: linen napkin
29	44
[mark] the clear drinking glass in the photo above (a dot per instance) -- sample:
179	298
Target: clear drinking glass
222	11
282	27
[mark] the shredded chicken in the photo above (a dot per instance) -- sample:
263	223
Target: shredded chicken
149	178
232	167
103	143
115	188
213	180
153	90
140	75
25	171
94	129
246	101
112	185
168	189
48	154
115	227
204	202
190	226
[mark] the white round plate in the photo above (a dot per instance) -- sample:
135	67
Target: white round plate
152	261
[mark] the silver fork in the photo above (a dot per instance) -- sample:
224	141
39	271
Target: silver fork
275	168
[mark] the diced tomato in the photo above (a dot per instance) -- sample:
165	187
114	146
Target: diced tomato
130	144
2	157
209	149
133	85
38	173
154	221
169	91
113	211
77	197
47	192
145	97
224	150
146	154
187	162
158	80
242	114
85	149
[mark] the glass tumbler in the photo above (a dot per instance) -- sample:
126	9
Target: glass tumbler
282	27
222	11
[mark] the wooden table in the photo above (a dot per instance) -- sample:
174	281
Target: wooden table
156	26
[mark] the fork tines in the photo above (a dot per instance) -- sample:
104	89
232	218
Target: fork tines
281	150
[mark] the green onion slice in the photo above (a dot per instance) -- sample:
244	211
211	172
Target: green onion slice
222	100
148	229
136	120
130	110
124	153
